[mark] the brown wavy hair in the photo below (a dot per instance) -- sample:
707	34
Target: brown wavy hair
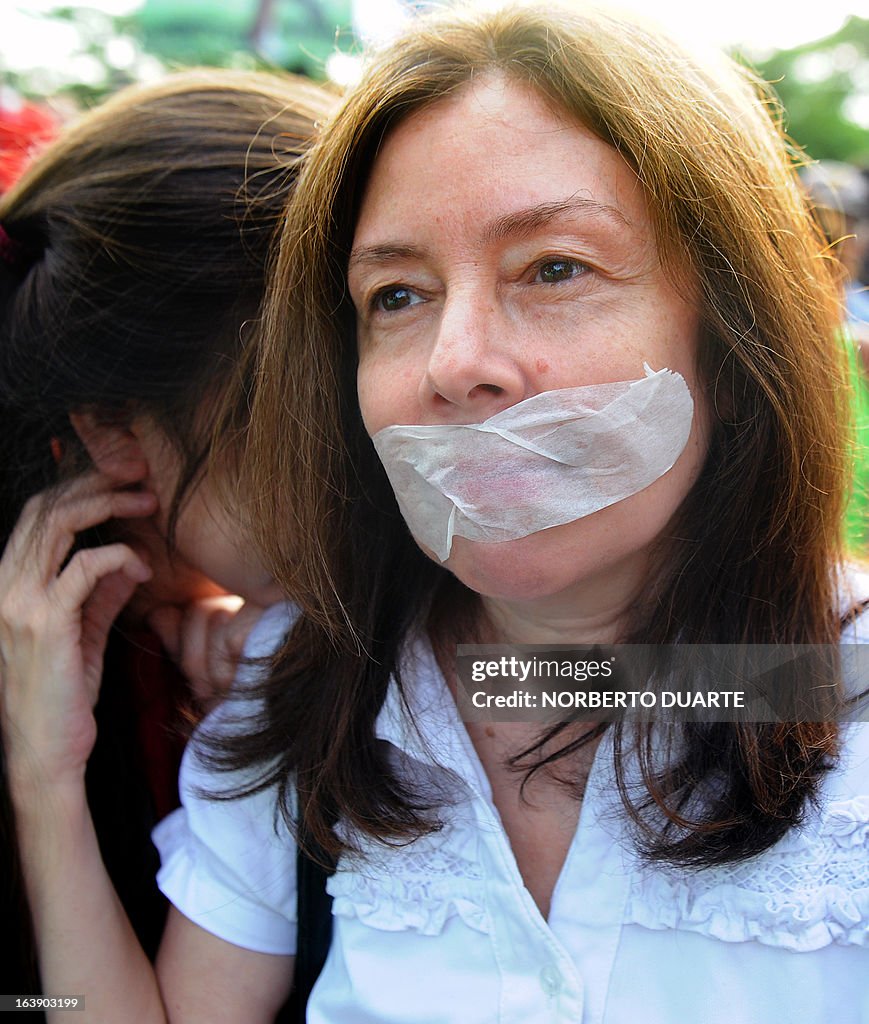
751	556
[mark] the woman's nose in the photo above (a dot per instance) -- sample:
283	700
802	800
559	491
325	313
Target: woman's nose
473	369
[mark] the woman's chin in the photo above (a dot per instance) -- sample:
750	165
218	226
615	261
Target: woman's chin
562	566
515	570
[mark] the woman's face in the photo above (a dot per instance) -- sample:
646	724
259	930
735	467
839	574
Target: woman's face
210	554
501	251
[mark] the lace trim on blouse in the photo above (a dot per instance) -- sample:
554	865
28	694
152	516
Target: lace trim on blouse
418	886
808	891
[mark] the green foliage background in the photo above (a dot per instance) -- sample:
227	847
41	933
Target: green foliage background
824	85
294	34
817	83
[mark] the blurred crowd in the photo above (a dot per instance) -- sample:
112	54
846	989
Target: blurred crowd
839	193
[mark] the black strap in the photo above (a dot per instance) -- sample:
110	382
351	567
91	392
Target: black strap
313	929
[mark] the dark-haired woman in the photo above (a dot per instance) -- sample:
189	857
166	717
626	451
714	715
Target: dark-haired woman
132	268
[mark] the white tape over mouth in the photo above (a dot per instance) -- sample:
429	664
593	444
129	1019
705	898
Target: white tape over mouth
554	458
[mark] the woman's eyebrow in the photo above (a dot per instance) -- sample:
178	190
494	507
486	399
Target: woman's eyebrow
512	225
526	222
377	255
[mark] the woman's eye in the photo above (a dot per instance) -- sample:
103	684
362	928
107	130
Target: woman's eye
553	271
390	300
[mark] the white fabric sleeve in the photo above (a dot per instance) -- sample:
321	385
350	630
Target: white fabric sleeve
226	864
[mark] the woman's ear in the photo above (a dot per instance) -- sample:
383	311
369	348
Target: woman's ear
113	447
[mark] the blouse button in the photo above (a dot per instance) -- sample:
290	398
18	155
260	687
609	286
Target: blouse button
550	979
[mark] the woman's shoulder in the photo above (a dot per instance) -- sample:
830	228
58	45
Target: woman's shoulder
229	864
269	630
811	889
808	891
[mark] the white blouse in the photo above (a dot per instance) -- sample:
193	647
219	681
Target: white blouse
443	930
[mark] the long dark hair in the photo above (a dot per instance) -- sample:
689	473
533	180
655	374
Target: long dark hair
140	241
131	277
751	556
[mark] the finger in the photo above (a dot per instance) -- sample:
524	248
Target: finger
49	546
49	520
95	509
239	629
90	482
202	657
165	621
100	610
86	568
220	645
222	661
107	599
38	505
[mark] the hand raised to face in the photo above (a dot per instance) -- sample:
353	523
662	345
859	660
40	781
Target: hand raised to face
55	615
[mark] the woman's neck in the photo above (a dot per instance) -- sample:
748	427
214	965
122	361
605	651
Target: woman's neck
597	611
540	623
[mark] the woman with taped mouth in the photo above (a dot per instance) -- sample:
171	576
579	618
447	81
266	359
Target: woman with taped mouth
557	276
